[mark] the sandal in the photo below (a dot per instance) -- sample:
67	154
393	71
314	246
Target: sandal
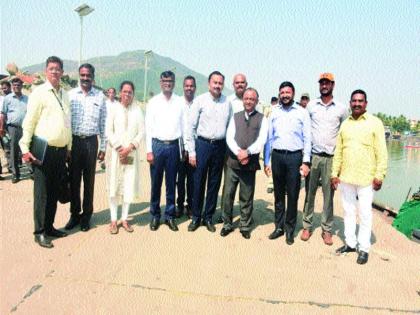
127	226
113	228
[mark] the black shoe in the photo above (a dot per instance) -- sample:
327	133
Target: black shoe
210	227
55	233
43	241
276	234
290	239
154	225
219	219
188	212
225	231
15	179
84	225
2	178
362	258
246	234
345	249
179	212
172	225
73	222
193	226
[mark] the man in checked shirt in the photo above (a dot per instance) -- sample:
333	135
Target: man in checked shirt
88	114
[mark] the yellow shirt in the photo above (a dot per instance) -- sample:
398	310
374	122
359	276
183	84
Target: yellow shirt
360	153
46	118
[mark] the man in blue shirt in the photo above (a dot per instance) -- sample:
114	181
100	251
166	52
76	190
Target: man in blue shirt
289	144
12	113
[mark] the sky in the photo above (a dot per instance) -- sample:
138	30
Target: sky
372	45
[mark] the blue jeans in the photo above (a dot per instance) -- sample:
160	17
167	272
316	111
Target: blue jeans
166	159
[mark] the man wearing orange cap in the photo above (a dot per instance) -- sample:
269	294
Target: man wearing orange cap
326	114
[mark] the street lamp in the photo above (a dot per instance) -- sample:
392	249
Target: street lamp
82	10
147	54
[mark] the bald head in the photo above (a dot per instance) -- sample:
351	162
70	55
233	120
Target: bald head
239	84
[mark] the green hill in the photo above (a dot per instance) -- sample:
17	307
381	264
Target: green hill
112	70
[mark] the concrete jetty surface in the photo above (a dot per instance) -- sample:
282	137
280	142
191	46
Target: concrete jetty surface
189	273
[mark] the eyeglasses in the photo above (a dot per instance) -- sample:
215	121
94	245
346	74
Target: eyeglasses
166	81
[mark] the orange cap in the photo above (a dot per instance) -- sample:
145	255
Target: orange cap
326	76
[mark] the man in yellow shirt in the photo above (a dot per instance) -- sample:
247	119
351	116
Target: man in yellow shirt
359	167
48	118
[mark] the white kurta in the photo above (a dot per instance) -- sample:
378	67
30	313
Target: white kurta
124	126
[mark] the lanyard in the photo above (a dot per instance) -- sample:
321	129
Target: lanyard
58	99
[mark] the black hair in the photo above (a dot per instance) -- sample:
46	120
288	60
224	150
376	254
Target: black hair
6	83
127	83
89	67
287	84
189	77
54	59
359	92
16	80
274	99
216	73
167	74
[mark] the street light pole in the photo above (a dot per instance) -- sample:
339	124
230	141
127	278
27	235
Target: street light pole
82	10
146	56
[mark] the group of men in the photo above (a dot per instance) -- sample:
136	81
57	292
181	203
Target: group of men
191	141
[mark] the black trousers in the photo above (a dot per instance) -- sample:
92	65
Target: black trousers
83	164
286	177
15	133
46	186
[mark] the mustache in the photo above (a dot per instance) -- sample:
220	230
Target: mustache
85	81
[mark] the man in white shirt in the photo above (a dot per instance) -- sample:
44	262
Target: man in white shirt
185	170
239	86
164	131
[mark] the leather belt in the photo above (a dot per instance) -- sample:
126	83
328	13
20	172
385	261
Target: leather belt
287	151
165	141
211	141
323	154
83	137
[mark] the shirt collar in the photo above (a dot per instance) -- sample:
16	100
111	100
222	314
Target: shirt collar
364	116
91	91
49	86
319	102
294	106
247	116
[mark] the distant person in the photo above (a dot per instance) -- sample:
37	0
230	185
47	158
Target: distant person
274	103
124	131
236	100
88	115
110	102
185	170
304	100
12	114
359	167
326	114
48	116
246	136
289	147
206	143
239	86
164	133
6	88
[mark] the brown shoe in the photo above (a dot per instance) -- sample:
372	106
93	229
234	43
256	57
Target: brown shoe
327	237
127	227
306	235
113	228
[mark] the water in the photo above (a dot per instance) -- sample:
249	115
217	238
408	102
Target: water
403	173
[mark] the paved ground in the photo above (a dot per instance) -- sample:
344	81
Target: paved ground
201	272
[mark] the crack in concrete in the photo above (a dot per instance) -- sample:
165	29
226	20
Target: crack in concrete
26	296
247	298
